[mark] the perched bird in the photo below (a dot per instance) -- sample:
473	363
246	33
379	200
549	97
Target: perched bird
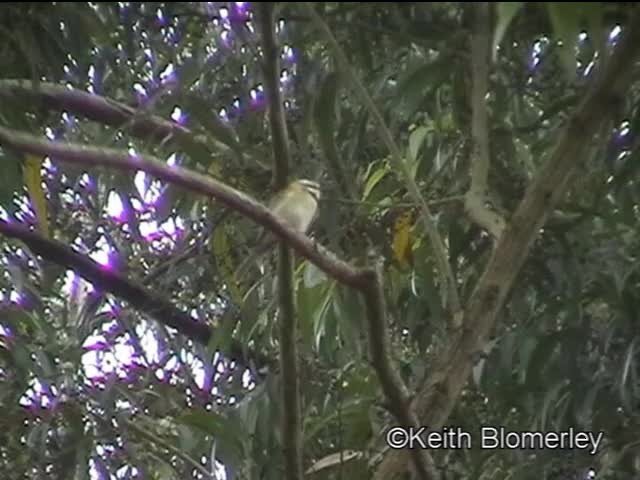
297	206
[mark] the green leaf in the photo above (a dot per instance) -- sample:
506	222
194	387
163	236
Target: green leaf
227	434
525	352
550	403
320	316
506	12
416	140
374	179
416	83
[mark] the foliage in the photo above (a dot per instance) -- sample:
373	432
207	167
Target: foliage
92	387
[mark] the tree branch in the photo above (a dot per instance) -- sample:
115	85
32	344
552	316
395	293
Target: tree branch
438	396
289	363
476	198
113	282
392	385
448	284
192	181
110	112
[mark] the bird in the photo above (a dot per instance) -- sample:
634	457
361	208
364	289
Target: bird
297	206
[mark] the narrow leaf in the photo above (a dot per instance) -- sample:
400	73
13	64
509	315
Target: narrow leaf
373	180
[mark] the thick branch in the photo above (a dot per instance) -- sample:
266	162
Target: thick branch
447	280
110	112
192	181
437	398
291	408
390	380
476	197
113	282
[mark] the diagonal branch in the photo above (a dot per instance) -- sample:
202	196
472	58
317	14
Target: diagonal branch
157	307
192	181
110	112
447	280
391	382
437	398
476	198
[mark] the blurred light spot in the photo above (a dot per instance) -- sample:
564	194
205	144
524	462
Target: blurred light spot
48	166
95	343
148	229
615	32
589	68
137	205
197	368
86	181
115	208
15	297
224	13
140	90
177	115
149	191
168	74
625	131
287	52
38	395
103	254
150	346
5	331
67	118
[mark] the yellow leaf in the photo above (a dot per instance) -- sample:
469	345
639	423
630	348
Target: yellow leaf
402	244
33	181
